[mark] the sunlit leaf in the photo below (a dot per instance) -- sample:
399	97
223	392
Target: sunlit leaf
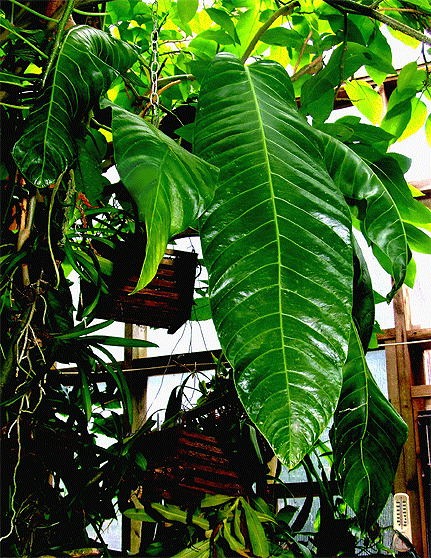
365	99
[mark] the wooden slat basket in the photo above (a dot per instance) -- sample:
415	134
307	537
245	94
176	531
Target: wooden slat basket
166	302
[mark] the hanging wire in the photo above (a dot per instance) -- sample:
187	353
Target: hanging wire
154	66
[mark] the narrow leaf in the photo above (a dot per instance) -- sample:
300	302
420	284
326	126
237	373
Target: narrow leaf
259	542
367	437
138	515
171	186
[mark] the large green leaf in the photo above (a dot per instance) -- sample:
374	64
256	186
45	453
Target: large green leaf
367	437
171	186
276	243
88	61
373	203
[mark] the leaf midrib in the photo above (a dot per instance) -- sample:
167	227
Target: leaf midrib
277	231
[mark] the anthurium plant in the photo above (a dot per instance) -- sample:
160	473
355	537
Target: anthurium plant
210	117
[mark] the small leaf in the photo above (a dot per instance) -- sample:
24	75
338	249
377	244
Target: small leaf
187	9
365	99
417	119
141	462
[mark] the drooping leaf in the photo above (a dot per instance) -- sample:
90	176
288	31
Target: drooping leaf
363	299
276	242
375	207
88	61
390	173
170	186
367	437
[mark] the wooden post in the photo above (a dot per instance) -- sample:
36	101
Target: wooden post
137	383
400	382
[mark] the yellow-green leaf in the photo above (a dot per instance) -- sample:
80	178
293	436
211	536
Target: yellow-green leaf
417	119
366	100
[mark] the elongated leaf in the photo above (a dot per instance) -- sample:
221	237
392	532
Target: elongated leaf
171	186
276	243
139	515
259	542
363	299
367	437
376	208
392	176
88	61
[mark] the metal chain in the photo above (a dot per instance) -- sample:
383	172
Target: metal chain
154	66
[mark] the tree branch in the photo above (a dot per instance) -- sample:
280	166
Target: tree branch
354	7
284	10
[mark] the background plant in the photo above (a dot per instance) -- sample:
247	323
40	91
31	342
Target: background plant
77	101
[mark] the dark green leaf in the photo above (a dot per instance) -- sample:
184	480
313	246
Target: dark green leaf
367	438
140	461
363	299
392	176
380	215
276	243
170	186
88	61
116	341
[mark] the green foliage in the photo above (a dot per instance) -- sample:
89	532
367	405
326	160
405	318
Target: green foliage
285	276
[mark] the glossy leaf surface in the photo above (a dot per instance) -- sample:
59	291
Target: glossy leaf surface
171	186
88	61
276	242
375	206
367	437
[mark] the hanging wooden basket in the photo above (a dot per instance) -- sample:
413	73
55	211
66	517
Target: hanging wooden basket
184	465
166	302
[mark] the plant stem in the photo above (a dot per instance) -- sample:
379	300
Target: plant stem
51	205
60	29
284	10
356	8
33	11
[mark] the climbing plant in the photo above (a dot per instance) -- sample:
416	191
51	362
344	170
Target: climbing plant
215	117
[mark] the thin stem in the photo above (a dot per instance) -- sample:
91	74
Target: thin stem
60	29
33	11
80	12
301	54
51	205
284	10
